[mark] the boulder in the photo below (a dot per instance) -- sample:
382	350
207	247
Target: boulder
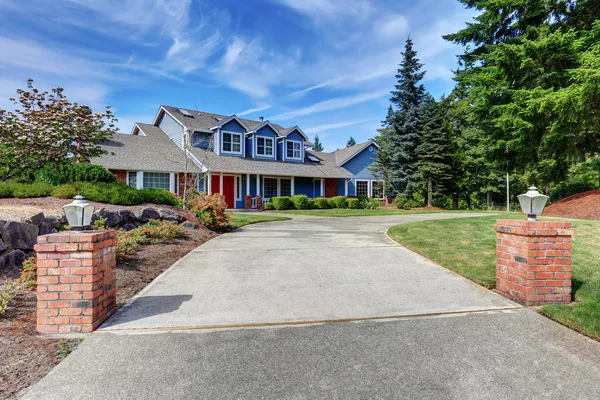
189	225
2	246
146	214
112	217
20	235
126	216
171	215
49	224
15	258
129	226
37	219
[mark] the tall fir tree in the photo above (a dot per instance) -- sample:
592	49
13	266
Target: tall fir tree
432	152
317	145
404	136
351	142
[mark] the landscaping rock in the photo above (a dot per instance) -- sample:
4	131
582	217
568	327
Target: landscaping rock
129	226
37	219
189	225
45	228
171	215
147	214
15	258
2	246
112	217
19	235
126	216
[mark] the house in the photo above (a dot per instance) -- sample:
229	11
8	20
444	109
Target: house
236	157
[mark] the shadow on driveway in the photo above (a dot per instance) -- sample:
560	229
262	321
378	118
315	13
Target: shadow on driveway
146	306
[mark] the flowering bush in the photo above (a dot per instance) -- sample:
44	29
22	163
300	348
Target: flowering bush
211	211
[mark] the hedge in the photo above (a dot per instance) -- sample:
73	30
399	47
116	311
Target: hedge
322	203
69	173
281	203
300	201
355	203
25	190
339	202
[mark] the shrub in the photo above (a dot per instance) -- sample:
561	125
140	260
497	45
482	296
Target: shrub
281	203
36	189
569	189
401	201
85	173
211	211
158	231
311	205
268	206
67	191
6	189
7	292
29	273
322	203
48	175
355	203
339	202
128	244
300	201
373	204
158	196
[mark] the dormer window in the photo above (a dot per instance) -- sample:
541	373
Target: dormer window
264	146
294	149
232	142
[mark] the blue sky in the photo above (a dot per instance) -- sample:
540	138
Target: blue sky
325	65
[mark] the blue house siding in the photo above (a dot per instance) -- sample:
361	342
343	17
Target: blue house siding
341	187
304	185
172	128
294	136
250	145
280	149
232	126
360	163
267	132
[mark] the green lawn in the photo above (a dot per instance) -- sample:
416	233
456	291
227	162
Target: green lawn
344	212
243	219
467	246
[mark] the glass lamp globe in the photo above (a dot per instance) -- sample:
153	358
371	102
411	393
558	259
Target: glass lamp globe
532	203
79	213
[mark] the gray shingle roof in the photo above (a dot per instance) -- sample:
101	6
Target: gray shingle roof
204	121
343	155
325	169
153	152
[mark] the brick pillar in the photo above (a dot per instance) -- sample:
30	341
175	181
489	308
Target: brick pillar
259	203
533	261
76	284
247	202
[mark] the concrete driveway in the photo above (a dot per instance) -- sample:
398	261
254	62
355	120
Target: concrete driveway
259	313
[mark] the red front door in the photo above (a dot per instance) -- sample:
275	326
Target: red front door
228	188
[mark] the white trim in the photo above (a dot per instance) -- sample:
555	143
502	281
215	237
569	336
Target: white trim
238	193
293	186
278	179
221	184
229	119
241	135
346	187
209	186
323	187
370	142
296	128
165	110
139	180
265	123
257	185
247	183
172	182
356	187
139	128
196	161
273	144
293	149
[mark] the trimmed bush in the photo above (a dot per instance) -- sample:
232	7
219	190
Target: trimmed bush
281	203
268	206
311	205
322	203
67	191
401	201
300	201
373	204
355	203
158	196
25	190
339	202
69	173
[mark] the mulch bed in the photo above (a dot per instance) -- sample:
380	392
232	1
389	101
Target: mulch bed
26	357
580	206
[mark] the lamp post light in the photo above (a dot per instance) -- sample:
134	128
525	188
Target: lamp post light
79	213
532	203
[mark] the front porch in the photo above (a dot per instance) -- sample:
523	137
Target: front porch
234	187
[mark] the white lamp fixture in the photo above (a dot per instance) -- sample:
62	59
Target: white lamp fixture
532	203
79	213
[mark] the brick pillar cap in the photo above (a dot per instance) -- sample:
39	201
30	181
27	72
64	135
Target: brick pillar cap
534	228
75	236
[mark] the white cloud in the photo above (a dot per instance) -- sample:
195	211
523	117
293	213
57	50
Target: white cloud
329	127
253	110
391	27
328	8
329	105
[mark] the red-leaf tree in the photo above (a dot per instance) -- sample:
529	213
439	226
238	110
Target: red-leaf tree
48	130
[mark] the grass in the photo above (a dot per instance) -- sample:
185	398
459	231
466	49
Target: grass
467	246
242	219
346	212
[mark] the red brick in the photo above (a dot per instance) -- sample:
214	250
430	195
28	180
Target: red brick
69	263
47	312
70	279
70	296
47	296
71	311
47	328
47	280
59	304
59	288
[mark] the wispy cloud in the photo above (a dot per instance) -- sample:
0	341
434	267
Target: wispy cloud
329	127
329	105
253	110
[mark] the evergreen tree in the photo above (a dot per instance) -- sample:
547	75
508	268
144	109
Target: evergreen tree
317	146
404	122
351	142
433	155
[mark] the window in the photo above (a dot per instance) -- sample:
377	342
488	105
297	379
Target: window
285	187
201	184
264	146
270	188
232	142
238	187
132	178
157	180
362	188
293	149
377	189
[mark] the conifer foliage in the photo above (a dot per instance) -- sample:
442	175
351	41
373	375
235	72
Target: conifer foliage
317	145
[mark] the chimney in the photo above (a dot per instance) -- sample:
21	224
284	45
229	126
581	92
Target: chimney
261	119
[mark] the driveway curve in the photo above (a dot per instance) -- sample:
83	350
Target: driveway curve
306	270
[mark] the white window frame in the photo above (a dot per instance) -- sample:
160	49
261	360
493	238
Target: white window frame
232	134
294	142
265	146
278	179
238	187
368	194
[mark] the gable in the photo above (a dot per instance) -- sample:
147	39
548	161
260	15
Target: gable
266	131
295	136
233	126
359	164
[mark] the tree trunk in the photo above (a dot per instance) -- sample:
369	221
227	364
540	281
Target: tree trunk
429	192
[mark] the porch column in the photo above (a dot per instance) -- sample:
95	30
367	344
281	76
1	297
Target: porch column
172	182
248	184
322	187
139	179
346	187
257	184
293	186
209	183
221	183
